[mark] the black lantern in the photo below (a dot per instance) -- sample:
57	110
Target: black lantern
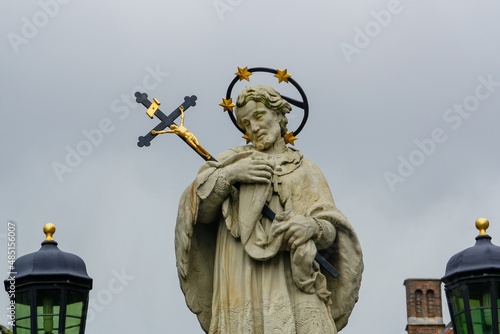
472	286
51	290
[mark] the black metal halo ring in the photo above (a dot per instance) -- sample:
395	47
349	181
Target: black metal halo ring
304	105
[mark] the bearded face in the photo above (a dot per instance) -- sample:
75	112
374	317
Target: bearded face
260	123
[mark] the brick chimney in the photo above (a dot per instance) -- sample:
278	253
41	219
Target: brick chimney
424	306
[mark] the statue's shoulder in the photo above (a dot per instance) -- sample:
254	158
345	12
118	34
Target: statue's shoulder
306	163
239	149
233	151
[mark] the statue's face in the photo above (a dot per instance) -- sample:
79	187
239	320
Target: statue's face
261	124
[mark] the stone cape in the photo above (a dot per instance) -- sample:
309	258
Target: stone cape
260	295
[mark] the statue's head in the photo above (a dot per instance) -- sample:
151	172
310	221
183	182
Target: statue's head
270	98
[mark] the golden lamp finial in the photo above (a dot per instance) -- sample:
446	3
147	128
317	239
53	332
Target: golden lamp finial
482	225
49	229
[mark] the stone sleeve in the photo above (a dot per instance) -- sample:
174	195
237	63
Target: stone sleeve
212	193
326	235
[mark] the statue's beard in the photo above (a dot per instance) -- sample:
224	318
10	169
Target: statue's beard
263	145
265	140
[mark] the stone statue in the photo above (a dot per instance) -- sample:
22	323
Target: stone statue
243	273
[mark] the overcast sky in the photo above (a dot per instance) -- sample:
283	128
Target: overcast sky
404	100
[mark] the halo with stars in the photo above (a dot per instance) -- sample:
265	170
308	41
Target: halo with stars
244	73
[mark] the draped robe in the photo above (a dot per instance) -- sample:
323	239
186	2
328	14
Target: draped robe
239	278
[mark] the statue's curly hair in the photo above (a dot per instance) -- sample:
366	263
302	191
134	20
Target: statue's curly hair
270	98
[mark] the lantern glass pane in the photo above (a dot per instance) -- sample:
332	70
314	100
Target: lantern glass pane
480	295
498	304
458	309
74	310
481	321
48	309
480	306
457	300
461	324
23	319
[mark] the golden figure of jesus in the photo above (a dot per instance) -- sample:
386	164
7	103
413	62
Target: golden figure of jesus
188	136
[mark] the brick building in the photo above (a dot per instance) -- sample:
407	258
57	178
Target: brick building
424	307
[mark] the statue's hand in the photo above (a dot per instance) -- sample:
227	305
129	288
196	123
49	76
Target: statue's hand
297	229
253	169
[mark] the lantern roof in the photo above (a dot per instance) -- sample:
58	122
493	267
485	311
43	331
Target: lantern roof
51	265
481	259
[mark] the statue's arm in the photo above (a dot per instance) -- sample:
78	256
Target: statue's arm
321	206
212	193
217	181
326	234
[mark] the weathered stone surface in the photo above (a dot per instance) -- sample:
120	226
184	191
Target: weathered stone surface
242	272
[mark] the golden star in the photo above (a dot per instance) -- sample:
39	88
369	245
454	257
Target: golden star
243	73
290	138
282	75
227	104
246	137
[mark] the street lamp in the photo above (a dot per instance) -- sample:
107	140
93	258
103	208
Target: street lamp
51	290
472	286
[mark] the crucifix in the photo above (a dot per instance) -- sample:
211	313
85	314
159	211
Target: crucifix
168	121
192	141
